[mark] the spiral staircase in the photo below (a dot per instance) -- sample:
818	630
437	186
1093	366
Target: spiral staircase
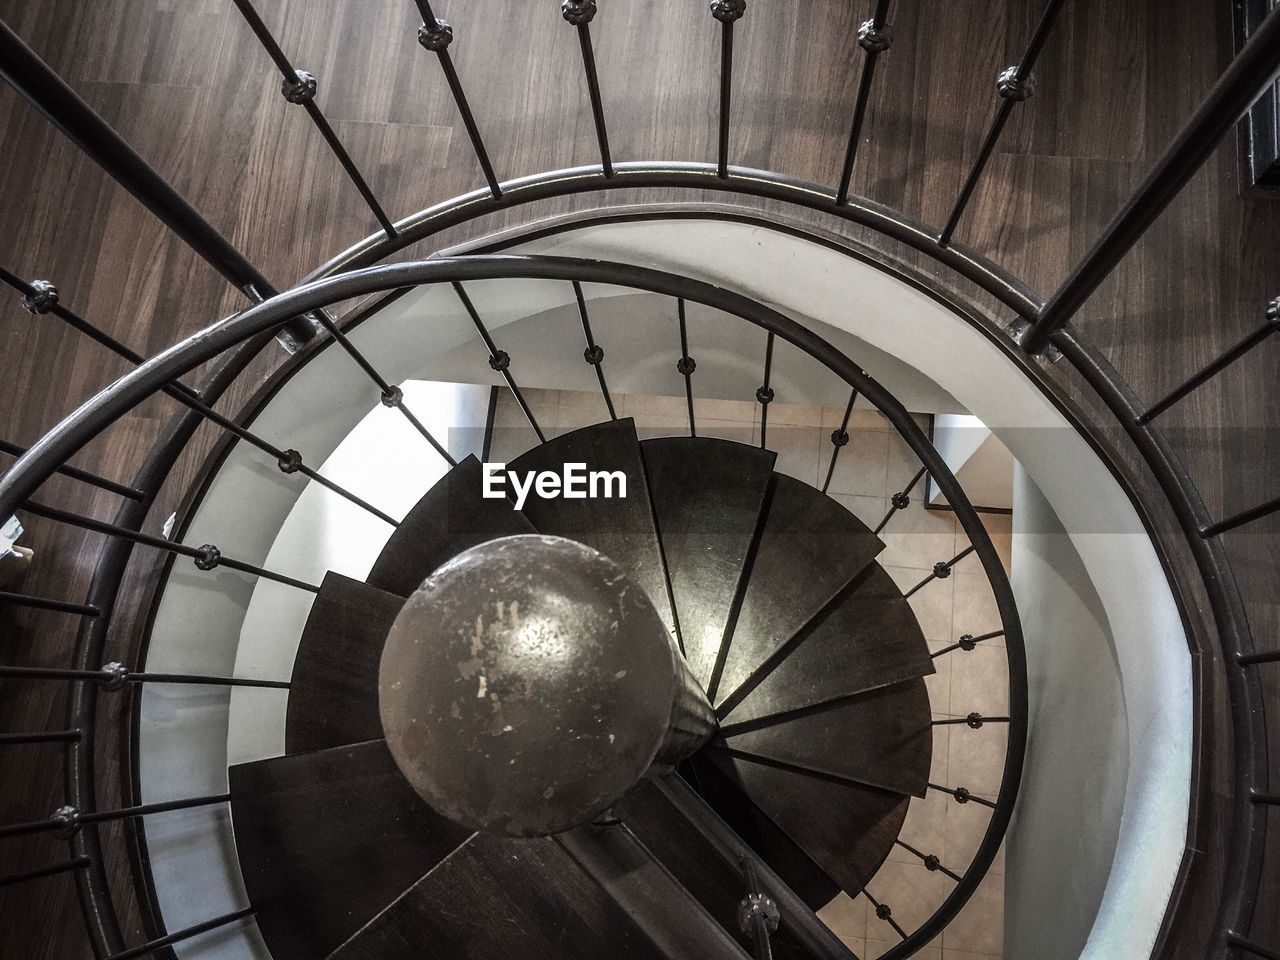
760	715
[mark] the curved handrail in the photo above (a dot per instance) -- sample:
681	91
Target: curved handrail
98	413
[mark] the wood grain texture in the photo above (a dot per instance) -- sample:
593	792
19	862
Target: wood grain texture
184	82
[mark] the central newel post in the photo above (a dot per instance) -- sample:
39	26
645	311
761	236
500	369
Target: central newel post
529	684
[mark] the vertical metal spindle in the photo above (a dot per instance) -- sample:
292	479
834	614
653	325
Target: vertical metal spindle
84	476
874	37
300	87
1244	80
900	500
758	915
1241	518
764	393
594	354
1014	85
186	934
686	364
42	736
580	13
435	35
391	396
941	570
48	93
884	912
40	873
728	12
44	603
839	437
499	360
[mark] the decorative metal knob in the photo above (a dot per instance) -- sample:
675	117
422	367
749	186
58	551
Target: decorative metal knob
42	298
764	395
883	911
594	355
686	365
68	820
578	12
975	721
727	11
963	795
500	360
900	501
967	642
529	684
839	438
290	461
875	39
436	37
758	904
115	676
942	570
210	557
1011	88
392	397
300	89
1273	311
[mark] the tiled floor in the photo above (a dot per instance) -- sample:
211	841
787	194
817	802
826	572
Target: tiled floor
871	468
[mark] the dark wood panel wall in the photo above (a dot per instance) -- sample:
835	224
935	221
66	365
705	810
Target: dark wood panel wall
184	81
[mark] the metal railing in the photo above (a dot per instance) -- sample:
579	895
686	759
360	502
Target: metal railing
1043	322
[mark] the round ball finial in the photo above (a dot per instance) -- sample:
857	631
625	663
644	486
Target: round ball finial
527	685
727	11
578	12
1011	88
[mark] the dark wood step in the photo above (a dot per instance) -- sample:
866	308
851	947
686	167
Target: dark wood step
333	694
881	738
847	829
622	528
868	637
501	898
707	497
451	517
327	840
810	548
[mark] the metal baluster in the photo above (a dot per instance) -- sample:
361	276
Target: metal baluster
962	795
39	84
728	12
1241	518
43	736
115	676
43	298
172	938
966	643
900	500
391	396
594	354
1257	949
14	879
1269	326
839	437
758	914
84	476
207	557
931	862
941	570
300	87
686	365
874	37
1015	84
764	393
884	912
1268	799
1252	659
974	721
436	38
580	13
66	820
44	603
499	360
1247	76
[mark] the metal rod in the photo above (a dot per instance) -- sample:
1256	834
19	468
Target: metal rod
1015	84
499	360
1206	373
43	736
1251	659
884	912
930	862
580	13
68	818
900	500
686	365
391	396
207	557
1254	948
300	88
966	642
84	476
941	570
974	720
874	36
1240	519
114	676
436	38
44	603
594	354
1268	799
1244	80
764	395
67	865
727	12
962	795
839	437
757	907
47	92
153	945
